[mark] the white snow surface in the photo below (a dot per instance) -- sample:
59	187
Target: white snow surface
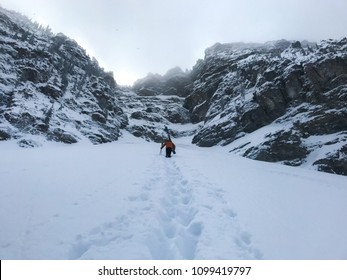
124	200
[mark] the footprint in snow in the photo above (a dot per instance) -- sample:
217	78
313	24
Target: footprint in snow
244	242
101	236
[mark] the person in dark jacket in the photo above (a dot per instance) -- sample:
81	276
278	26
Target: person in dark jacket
170	147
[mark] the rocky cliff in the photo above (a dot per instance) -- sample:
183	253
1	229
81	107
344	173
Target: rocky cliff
51	89
280	101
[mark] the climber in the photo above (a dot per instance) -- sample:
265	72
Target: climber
170	147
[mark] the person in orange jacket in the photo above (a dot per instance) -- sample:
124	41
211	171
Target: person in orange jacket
170	147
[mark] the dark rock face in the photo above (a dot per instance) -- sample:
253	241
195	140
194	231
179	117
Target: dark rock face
238	90
49	87
283	146
24	143
333	163
59	135
4	135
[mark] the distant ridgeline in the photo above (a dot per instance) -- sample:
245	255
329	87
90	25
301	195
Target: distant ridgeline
281	101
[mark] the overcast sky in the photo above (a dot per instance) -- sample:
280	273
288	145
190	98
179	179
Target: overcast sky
135	37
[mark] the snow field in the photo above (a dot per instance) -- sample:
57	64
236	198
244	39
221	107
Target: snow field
126	201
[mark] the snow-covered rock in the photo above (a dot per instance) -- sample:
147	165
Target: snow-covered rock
149	115
51	89
297	90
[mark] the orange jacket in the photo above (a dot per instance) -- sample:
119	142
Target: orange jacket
168	144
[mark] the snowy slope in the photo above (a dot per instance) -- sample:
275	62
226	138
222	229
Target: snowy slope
124	200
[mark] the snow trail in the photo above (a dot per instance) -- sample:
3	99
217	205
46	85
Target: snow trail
167	221
178	229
